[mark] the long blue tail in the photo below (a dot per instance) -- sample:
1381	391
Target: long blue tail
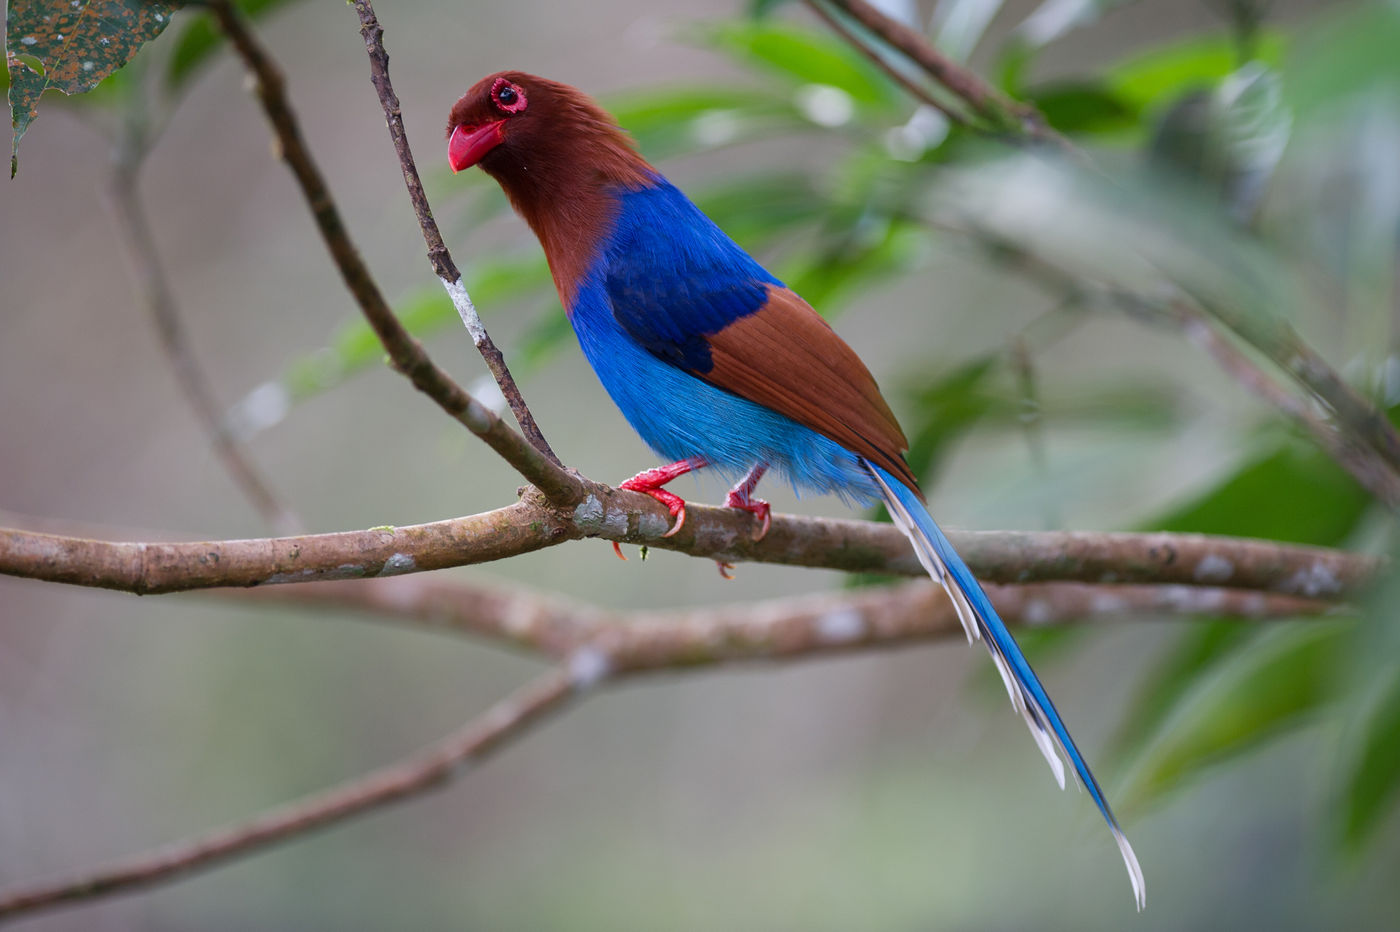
979	619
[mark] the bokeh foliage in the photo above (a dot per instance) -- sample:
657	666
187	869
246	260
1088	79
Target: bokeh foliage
1253	168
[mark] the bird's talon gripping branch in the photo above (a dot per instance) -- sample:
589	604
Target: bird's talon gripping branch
650	482
741	496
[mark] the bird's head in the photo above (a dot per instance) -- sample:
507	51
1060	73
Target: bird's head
500	107
514	119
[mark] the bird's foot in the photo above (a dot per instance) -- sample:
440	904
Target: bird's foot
650	482
741	496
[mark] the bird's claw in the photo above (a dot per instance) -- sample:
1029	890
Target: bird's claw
725	568
756	507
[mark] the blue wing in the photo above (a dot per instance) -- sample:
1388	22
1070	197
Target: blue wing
673	277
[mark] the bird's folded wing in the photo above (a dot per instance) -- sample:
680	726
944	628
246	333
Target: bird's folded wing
784	356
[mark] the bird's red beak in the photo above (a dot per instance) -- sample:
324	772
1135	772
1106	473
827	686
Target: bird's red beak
469	144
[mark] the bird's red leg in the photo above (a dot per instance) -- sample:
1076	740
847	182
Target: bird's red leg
741	496
650	482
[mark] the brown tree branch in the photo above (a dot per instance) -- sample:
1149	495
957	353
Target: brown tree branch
1362	461
429	769
1005	115
594	646
151	568
155	287
916	90
438	255
786	628
407	355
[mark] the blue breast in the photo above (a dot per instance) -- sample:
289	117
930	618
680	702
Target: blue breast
663	279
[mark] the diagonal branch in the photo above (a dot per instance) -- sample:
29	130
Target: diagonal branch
407	355
438	255
595	646
1005	115
151	278
1361	460
429	769
916	90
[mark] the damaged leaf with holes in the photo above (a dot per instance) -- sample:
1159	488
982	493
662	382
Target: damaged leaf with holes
71	46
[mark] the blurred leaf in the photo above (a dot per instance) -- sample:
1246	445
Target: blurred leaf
1163	74
947	407
805	56
547	333
1054	18
1352	55
758	9
1323	502
687	119
355	347
1325	505
201	39
865	252
756	208
960	24
1373	780
1198	649
71	47
1230	140
1288	673
1083	107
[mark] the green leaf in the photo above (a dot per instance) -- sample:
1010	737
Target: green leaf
1165	73
71	47
947	407
1352	55
355	347
805	56
756	208
202	38
1245	504
687	119
1287	675
1323	503
758	9
1083	107
1373	780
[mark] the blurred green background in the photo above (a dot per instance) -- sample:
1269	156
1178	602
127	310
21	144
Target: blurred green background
1249	155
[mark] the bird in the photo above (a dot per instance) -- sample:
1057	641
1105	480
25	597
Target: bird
714	361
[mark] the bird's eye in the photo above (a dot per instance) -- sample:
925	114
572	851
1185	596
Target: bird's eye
508	97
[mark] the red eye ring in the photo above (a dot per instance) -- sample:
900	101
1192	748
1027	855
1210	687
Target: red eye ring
508	97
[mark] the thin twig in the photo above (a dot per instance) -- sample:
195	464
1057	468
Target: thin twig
1360	460
1004	114
406	353
151	568
1275	339
438	255
413	776
155	287
916	90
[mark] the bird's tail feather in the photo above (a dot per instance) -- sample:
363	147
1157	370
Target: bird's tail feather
979	619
